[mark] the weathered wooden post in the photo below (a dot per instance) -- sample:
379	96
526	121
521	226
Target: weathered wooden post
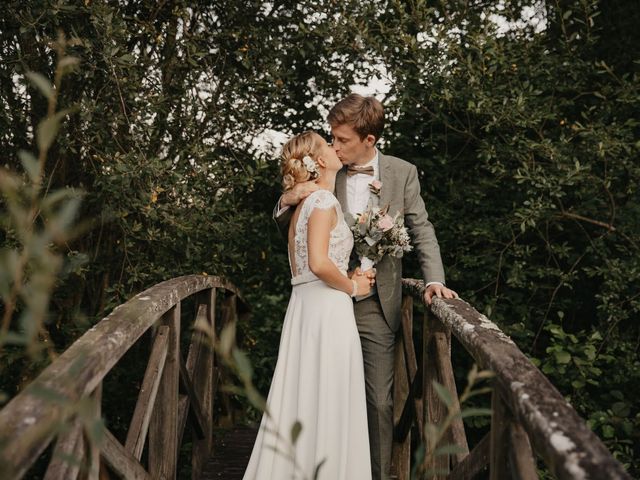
163	430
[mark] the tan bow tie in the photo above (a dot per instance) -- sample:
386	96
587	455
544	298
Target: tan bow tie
352	170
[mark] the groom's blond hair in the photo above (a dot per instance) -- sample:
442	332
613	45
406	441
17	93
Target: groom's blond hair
364	114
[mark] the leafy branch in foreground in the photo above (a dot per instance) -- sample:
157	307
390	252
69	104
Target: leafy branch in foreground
35	221
436	433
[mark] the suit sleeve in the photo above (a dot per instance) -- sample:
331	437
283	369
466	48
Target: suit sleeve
421	230
283	220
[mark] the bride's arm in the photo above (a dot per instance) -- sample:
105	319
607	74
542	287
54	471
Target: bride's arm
321	222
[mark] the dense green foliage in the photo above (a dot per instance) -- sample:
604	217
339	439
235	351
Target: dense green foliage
521	116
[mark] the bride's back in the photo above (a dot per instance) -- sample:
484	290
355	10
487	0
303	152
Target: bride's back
339	243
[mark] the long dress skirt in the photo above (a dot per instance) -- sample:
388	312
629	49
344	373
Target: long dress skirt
319	382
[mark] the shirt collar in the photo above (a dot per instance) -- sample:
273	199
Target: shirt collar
373	162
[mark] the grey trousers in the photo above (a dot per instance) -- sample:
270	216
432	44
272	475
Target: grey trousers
377	341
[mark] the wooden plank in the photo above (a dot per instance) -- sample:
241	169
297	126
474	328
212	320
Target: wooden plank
183	414
202	372
499	456
138	428
163	428
120	461
94	446
415	378
442	344
194	404
407	418
193	359
475	462
68	455
521	459
435	411
229	315
401	451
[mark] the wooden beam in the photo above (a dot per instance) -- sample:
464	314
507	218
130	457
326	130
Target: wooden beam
163	428
442	345
435	411
68	455
401	451
415	380
474	463
521	459
499	456
139	426
194	404
120	461
202	371
94	444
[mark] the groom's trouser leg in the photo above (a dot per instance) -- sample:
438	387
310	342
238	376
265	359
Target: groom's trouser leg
377	341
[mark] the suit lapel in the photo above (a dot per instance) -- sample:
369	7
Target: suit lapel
385	179
341	188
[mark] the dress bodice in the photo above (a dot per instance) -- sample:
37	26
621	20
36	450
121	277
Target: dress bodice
340	240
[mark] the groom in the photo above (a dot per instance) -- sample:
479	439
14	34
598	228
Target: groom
356	126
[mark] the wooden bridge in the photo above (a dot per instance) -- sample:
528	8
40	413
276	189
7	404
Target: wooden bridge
53	420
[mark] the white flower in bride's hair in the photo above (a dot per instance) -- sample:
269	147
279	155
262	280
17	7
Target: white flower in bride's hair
310	165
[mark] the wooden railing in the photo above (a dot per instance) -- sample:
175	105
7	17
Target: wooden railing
530	417
174	390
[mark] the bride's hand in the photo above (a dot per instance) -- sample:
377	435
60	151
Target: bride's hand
298	193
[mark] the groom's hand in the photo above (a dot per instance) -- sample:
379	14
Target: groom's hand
369	274
438	290
298	193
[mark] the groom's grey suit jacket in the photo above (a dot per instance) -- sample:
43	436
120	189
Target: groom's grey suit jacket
401	191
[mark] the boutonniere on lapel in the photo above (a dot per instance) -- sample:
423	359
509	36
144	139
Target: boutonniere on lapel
375	186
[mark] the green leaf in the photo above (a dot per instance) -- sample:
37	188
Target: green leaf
30	165
62	219
95	430
449	450
608	431
68	62
317	470
257	400
443	393
48	129
563	357
245	371
227	339
48	394
296	428
41	83
475	412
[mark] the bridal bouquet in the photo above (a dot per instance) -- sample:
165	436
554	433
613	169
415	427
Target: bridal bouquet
376	234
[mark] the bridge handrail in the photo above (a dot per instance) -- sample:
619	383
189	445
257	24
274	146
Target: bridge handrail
29	421
523	399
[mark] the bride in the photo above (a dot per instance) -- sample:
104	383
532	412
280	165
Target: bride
319	375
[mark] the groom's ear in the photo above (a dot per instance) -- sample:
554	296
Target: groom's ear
370	140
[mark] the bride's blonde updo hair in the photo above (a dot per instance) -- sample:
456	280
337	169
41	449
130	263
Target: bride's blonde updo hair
294	170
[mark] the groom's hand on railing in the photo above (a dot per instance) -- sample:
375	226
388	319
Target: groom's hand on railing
438	290
299	192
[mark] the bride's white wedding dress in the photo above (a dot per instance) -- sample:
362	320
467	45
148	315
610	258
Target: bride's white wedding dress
319	375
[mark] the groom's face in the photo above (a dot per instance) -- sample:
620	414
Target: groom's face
351	149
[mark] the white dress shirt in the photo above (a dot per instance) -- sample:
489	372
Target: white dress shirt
358	192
